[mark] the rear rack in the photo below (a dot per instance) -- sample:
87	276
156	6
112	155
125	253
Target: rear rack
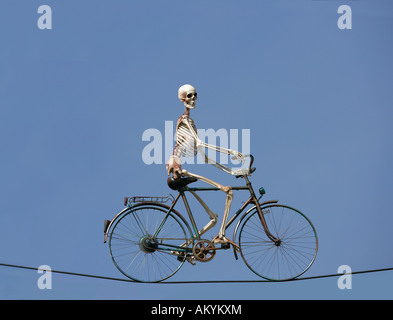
130	201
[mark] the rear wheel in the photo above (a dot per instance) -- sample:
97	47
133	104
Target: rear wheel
290	256
141	252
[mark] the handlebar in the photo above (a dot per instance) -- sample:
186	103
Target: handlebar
250	169
251	162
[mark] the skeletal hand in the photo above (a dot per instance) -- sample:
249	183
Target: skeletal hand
237	156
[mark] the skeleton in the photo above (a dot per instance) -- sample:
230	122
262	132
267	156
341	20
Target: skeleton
187	145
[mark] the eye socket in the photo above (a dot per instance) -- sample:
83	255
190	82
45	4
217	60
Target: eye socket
190	95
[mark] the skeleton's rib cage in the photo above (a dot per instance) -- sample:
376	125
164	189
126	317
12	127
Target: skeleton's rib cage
188	144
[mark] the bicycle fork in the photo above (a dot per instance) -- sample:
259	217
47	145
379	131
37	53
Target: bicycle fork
276	241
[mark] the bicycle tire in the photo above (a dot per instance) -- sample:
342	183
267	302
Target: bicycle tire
139	255
287	259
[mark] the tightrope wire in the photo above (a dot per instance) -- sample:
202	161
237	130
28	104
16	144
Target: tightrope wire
190	282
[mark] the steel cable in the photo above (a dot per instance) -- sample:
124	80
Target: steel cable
191	282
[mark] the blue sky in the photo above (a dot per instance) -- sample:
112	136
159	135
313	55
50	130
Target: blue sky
75	101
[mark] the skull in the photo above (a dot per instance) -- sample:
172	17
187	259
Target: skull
188	95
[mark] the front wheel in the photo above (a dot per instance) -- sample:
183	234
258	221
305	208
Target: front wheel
290	256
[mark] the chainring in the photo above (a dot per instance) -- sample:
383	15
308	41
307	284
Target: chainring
204	250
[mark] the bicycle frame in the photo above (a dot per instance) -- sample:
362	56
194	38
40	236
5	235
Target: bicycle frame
251	200
195	234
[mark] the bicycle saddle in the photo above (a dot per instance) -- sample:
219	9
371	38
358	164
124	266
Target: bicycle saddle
180	183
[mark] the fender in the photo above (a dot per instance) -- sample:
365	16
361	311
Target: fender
108	224
244	215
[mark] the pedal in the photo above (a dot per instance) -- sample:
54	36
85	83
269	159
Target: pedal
189	259
225	245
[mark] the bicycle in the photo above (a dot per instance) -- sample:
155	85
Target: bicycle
149	240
